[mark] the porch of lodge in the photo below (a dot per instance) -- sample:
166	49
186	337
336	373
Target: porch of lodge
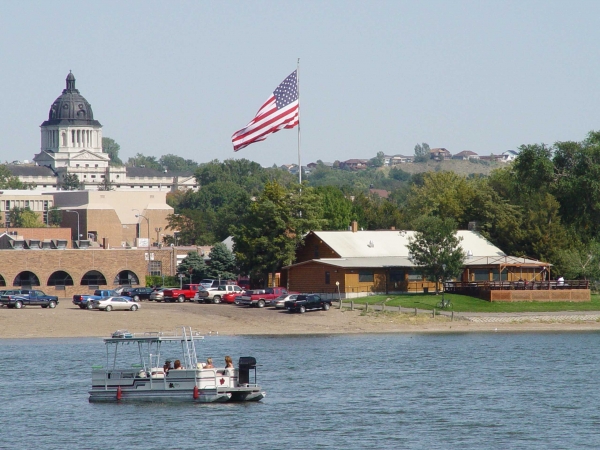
519	291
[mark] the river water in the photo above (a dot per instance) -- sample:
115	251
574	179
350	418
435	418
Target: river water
438	391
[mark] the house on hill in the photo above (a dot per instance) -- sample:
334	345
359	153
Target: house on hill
465	155
354	164
439	154
369	262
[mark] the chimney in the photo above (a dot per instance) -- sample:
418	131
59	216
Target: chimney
105	243
354	226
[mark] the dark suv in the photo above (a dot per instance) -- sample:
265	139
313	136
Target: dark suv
138	293
304	302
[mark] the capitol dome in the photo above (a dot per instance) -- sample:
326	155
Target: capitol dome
71	108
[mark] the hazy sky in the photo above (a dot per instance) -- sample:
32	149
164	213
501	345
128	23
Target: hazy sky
181	76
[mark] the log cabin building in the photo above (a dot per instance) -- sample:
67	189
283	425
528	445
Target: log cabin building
378	262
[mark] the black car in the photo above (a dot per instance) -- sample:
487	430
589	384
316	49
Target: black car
138	293
305	302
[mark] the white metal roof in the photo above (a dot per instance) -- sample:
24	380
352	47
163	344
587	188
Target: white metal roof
392	243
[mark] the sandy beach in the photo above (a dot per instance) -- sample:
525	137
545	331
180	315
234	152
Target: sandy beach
67	320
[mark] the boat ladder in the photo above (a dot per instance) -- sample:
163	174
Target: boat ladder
190	348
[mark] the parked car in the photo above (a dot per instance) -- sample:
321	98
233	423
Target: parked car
279	302
158	295
84	301
138	293
116	303
215	295
26	297
231	296
304	302
262	297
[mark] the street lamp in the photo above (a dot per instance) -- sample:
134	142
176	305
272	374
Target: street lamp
148	221
76	212
443	284
337	283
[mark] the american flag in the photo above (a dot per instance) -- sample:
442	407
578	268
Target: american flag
278	112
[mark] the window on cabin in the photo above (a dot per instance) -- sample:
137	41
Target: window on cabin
316	254
366	276
327	278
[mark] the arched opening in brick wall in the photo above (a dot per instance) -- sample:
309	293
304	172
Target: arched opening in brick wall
60	278
26	279
126	278
93	278
2	281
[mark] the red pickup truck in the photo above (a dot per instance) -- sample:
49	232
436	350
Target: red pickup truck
261	297
187	292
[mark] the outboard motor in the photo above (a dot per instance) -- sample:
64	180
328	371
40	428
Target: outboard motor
245	364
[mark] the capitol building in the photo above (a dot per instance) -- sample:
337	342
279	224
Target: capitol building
71	144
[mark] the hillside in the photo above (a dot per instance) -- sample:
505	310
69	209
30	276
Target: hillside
451	165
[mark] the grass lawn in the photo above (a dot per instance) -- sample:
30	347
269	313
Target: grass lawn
463	303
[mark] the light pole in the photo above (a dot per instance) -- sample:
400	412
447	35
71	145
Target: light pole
148	221
337	283
76	212
443	285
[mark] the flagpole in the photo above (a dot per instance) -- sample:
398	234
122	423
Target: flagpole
298	87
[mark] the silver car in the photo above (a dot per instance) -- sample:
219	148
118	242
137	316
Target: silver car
116	303
158	295
279	302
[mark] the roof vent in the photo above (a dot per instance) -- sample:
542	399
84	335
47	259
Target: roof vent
370	244
469	254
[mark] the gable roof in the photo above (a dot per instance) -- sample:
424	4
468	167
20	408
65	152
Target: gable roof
392	243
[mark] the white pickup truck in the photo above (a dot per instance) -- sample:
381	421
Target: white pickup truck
215	295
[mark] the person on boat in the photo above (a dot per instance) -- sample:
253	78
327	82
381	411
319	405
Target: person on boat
177	365
228	362
167	366
209	364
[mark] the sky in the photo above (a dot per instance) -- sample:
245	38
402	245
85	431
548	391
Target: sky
181	77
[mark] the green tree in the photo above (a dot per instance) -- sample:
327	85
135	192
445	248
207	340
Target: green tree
24	218
378	160
266	237
337	209
193	264
139	160
222	263
71	182
105	185
435	248
54	216
582	261
8	181
111	148
421	153
175	163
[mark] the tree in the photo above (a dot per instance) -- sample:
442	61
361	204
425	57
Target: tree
193	264
337	209
378	160
267	235
421	153
24	218
111	148
582	261
222	263
8	181
139	160
105	185
435	248
54	216
71	182
177	163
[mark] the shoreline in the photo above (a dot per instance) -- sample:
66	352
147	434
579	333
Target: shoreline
69	321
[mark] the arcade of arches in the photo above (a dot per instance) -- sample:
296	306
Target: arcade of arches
68	272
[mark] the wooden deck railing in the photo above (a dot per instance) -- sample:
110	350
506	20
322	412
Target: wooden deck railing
472	287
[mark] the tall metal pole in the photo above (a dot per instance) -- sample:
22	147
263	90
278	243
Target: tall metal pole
298	87
148	221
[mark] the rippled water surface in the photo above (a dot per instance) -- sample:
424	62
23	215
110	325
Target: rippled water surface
480	391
